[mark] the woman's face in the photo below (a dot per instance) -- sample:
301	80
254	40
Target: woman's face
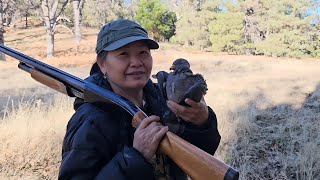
128	67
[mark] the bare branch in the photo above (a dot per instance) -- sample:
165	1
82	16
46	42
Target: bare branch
65	27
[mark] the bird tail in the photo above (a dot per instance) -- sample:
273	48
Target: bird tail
195	93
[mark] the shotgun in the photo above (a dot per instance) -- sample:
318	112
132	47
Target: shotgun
196	163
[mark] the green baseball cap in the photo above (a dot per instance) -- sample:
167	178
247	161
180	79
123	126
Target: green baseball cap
120	33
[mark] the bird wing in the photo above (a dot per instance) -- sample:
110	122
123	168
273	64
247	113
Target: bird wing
161	77
181	86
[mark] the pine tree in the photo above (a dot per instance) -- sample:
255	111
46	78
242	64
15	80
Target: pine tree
156	19
192	25
278	28
227	32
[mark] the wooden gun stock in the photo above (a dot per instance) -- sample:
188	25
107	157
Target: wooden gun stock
197	164
48	81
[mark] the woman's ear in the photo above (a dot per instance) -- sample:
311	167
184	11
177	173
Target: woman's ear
102	65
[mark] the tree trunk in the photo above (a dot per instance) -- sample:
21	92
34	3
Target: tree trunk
2	56
77	24
51	14
14	20
26	19
268	26
50	42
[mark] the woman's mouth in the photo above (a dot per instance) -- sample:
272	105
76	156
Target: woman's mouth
135	73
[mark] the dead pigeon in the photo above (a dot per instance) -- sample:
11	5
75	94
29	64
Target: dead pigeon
178	85
181	83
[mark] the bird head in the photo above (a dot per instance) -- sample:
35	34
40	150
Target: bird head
180	64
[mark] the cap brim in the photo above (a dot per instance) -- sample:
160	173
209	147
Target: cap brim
122	42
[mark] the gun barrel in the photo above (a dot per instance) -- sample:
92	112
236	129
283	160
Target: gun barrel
24	67
74	85
74	81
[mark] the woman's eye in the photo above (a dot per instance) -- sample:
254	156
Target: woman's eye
123	54
144	52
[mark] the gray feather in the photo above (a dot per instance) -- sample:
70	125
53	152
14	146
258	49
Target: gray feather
182	83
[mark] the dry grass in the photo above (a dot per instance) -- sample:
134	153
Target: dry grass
268	109
31	136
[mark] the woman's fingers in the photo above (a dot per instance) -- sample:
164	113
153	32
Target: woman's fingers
192	103
159	135
148	136
146	121
176	108
181	111
197	113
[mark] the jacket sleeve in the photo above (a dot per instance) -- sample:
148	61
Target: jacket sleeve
206	137
89	156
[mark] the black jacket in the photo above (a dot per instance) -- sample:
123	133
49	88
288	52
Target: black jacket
99	137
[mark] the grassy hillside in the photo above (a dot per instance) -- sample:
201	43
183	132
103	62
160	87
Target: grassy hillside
268	109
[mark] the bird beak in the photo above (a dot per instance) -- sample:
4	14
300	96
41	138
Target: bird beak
173	67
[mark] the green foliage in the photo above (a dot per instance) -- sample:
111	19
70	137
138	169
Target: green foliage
96	13
271	47
227	33
192	31
315	44
192	27
168	27
272	28
156	19
90	14
288	31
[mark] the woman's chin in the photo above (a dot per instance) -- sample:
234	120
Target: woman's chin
137	84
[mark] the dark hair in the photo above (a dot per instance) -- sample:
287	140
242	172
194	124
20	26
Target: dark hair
100	57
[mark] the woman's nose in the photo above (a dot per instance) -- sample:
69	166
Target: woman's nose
135	61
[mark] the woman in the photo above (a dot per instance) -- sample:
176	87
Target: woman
100	142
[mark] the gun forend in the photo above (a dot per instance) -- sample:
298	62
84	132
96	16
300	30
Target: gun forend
48	80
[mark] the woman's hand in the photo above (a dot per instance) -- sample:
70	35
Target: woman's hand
148	136
197	113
